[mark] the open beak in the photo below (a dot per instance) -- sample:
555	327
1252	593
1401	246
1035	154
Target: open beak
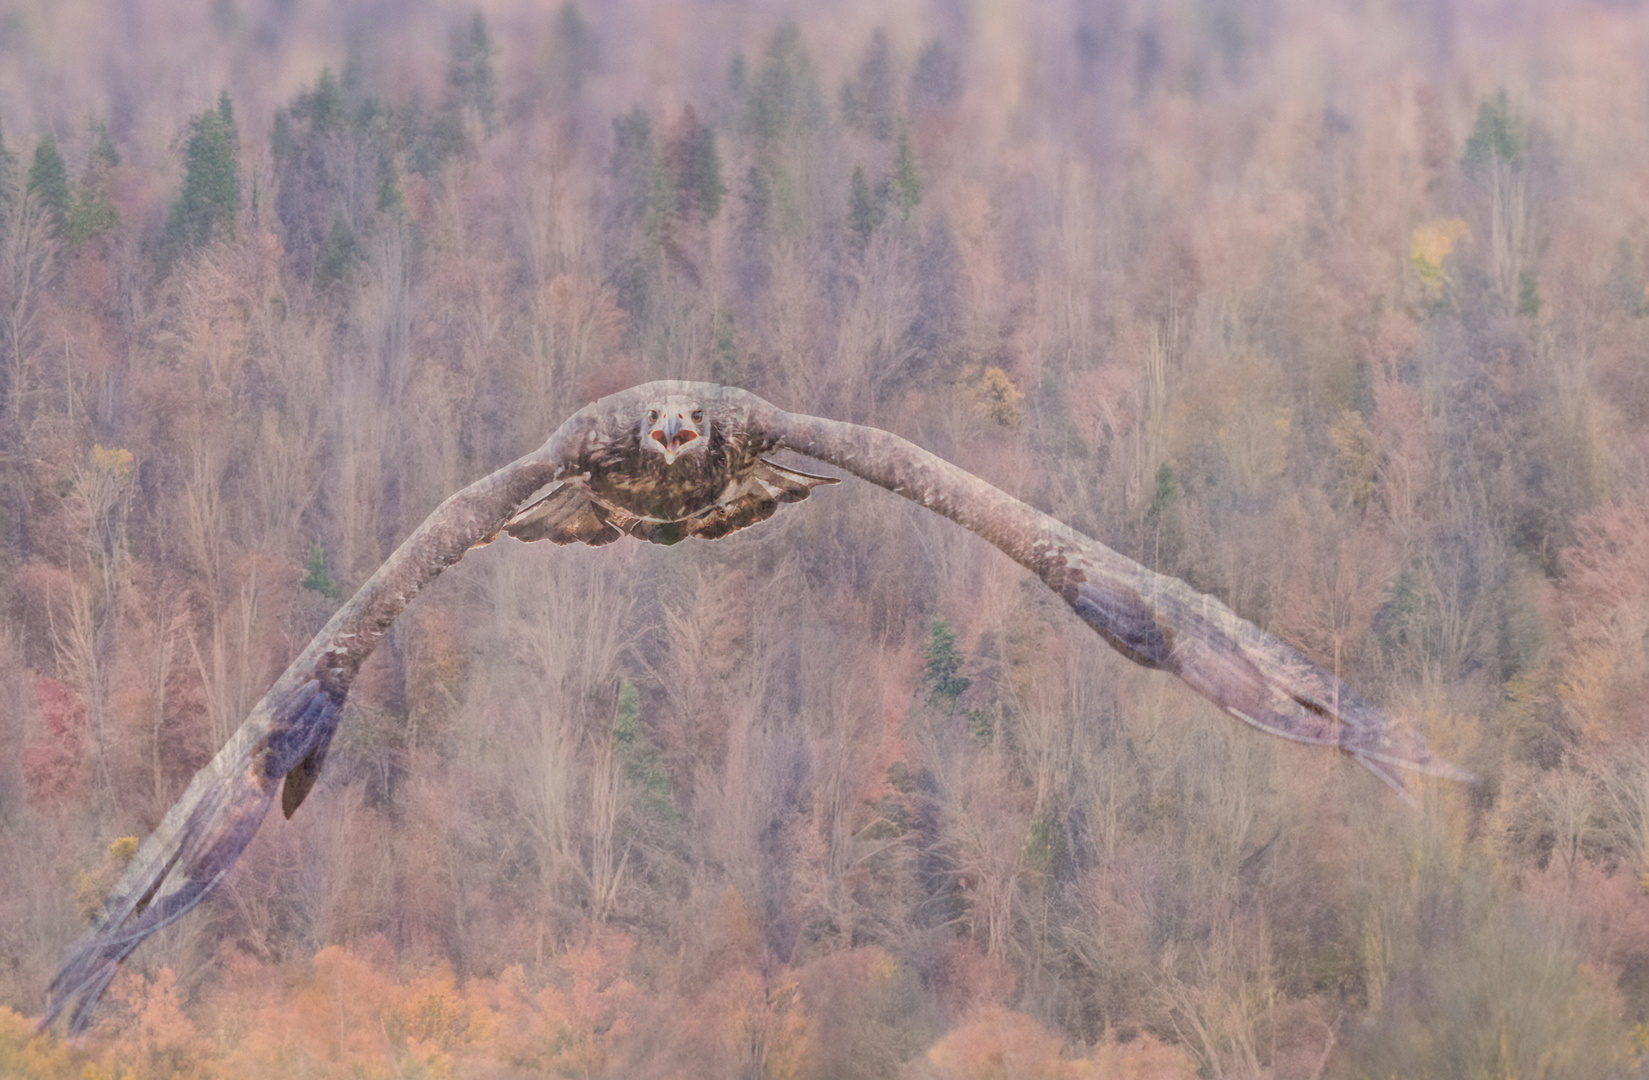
673	436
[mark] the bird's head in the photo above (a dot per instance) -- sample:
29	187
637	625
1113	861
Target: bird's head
675	426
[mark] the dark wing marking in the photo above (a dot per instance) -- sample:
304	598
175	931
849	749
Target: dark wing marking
197	842
787	485
302	776
1152	619
569	514
288	732
572	514
754	497
1162	622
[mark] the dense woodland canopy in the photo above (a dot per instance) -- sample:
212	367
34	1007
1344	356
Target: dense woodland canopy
1337	310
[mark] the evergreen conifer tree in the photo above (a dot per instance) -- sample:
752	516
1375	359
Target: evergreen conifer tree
865	210
641	180
49	180
784	96
10	187
210	199
573	55
8	170
469	77
1528	293
323	106
1497	136
907	184
318	578
339	254
937	80
390	199
697	166
704	173
725	365
104	154
867	102
943	668
92	213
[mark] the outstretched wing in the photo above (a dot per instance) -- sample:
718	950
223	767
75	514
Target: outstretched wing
199	839
287	734
754	498
568	514
1152	619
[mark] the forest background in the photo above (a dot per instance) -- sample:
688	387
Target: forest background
1337	310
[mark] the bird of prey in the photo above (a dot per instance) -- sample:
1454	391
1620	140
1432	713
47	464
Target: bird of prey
665	461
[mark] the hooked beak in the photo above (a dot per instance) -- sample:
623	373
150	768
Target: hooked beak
673	437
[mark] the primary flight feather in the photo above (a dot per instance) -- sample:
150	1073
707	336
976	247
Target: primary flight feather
663	462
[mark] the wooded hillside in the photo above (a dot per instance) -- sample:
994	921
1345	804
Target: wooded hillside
1337	310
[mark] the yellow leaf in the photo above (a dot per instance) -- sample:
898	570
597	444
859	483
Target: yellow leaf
996	398
116	462
1433	243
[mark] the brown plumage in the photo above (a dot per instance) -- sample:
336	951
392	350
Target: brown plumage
663	462
641	478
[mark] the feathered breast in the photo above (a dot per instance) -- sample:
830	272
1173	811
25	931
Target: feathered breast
622	473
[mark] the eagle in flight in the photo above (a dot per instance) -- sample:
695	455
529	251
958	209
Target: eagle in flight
665	461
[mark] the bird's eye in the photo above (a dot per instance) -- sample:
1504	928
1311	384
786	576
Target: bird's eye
698	416
652	416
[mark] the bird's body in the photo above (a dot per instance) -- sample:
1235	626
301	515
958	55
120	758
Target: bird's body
718	483
664	462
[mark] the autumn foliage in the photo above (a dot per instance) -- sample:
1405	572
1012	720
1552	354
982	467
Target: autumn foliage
1337	310
54	764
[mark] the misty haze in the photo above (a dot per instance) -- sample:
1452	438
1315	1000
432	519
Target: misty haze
1339	312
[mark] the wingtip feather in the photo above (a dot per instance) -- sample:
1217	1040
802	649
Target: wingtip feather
1391	778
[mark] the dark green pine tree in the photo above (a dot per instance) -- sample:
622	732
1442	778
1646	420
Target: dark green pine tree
8	174
641	179
104	154
907	184
49	181
1497	135
865	210
704	173
340	252
937	80
390	199
697	168
323	106
1166	489
943	670
92	213
1528	293
210	200
867	102
758	201
784	95
469	77
282	142
645	200
725	365
318	578
574	56
639	757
